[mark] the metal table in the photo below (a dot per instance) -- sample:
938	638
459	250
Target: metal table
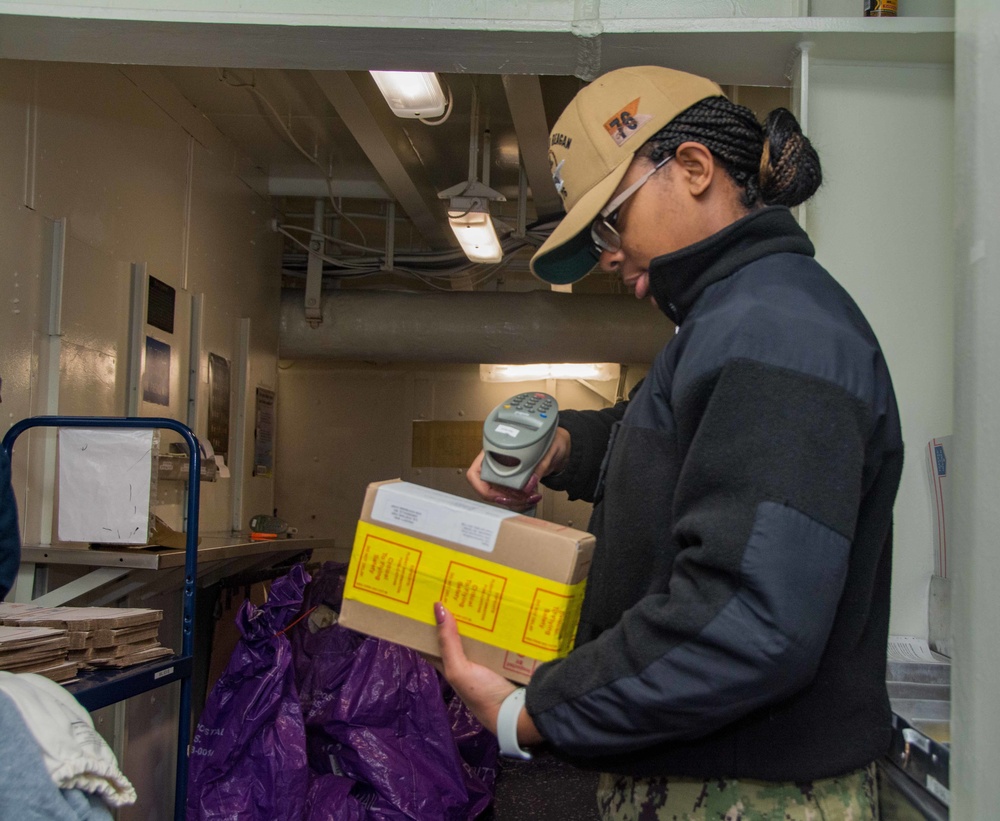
115	573
148	570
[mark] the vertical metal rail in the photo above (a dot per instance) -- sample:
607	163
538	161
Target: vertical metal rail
138	298
190	554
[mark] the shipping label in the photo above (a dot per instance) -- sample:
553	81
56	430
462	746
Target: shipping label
434	513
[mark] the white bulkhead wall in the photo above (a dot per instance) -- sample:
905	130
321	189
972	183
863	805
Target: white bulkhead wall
975	603
882	225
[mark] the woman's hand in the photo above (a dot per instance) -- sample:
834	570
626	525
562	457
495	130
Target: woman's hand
553	461
482	690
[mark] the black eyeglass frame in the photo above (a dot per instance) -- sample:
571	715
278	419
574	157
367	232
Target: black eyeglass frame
603	233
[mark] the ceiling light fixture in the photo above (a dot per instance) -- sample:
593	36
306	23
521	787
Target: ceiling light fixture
593	371
469	217
469	202
415	95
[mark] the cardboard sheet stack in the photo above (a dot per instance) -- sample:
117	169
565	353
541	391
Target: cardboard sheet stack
39	650
57	641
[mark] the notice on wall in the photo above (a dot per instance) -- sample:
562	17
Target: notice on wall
156	386
263	434
218	404
105	477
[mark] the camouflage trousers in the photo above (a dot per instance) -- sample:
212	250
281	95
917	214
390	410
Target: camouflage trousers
850	797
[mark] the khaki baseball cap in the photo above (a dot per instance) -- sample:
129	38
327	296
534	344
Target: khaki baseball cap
591	147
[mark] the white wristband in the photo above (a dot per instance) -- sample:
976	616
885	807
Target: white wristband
510	711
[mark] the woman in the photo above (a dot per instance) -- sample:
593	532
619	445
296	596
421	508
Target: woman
730	660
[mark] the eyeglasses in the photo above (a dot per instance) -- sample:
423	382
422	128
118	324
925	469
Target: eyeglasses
602	230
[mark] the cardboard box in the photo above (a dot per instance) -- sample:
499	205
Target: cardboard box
514	583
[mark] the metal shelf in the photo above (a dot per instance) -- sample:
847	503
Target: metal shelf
211	549
175	467
105	687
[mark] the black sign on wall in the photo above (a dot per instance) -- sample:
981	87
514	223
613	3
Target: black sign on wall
218	404
160	305
156	386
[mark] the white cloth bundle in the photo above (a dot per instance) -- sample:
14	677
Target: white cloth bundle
74	753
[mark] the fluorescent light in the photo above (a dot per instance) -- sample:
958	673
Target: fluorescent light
412	94
469	217
477	236
593	371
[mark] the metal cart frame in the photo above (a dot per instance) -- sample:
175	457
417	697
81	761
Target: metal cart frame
101	689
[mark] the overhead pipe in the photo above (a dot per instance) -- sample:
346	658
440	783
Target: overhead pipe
474	327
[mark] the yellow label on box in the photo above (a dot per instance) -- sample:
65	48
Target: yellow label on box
492	603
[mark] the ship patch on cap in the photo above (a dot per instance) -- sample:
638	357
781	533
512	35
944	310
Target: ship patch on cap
626	122
557	174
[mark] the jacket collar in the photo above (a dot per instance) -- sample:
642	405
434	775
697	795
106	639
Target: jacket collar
677	280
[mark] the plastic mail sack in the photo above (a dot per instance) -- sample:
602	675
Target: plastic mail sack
248	756
386	736
313	722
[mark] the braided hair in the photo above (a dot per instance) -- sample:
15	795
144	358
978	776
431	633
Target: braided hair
773	164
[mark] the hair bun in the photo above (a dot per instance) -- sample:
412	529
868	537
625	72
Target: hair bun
790	170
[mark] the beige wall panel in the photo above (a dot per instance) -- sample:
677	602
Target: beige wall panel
116	167
95	311
239	277
82	142
113	164
87	382
17	84
22	237
342	426
25	238
337	431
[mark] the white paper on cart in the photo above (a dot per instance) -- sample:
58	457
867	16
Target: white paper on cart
105	478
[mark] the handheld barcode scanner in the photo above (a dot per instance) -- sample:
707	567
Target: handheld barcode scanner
516	435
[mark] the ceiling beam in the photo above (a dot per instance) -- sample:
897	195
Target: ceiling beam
291	103
386	152
524	98
162	92
731	50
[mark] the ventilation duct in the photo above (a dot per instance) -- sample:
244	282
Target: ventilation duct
474	327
